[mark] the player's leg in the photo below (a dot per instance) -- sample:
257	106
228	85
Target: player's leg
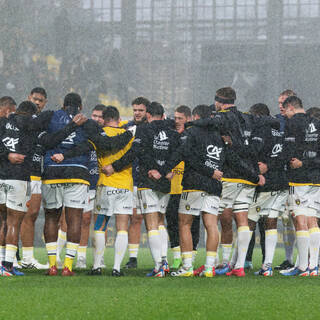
83	245
100	227
74	200
134	234
28	228
3	231
121	242
51	227
195	232
248	261
210	222
62	237
185	238
314	245
271	239
225	219
173	228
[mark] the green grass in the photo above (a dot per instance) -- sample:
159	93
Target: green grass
134	296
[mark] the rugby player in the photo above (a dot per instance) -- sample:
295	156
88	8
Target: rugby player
302	145
289	235
152	146
18	149
38	96
7	106
114	196
139	107
66	180
96	116
203	155
181	115
238	187
270	199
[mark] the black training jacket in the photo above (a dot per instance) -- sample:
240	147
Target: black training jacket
302	142
153	145
274	155
203	152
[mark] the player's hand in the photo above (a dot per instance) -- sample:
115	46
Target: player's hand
133	129
262	180
262	167
58	157
79	119
16	158
217	175
154	174
227	140
108	170
295	163
170	175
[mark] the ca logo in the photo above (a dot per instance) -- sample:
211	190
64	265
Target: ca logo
213	152
277	148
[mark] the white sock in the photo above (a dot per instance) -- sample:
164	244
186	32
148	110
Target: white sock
120	248
133	250
234	256
71	249
303	240
289	237
194	255
62	239
314	247
187	259
270	245
2	253
244	237
176	252
10	252
210	259
27	253
82	252
296	265
155	247
226	252
99	239
164	241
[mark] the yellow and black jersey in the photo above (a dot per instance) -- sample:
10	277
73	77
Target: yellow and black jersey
122	179
176	187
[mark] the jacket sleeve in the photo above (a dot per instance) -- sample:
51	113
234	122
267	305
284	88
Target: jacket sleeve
50	140
78	150
104	142
131	154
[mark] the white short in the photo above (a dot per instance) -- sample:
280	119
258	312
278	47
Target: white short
304	200
36	186
237	196
16	194
198	201
111	201
271	204
71	195
152	201
135	197
90	201
2	192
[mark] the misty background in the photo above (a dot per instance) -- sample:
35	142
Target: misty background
173	51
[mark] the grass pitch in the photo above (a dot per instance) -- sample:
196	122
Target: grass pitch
134	296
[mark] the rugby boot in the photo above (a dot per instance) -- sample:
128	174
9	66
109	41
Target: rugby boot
236	272
66	272
182	272
198	271
53	271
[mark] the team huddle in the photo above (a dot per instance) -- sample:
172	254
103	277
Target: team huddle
213	162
